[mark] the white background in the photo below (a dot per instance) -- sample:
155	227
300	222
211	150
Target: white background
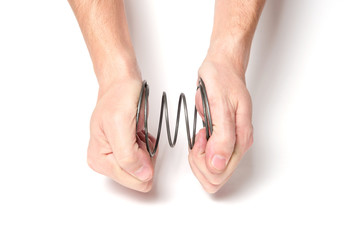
300	180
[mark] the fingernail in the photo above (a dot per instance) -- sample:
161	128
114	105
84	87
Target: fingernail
143	173
219	162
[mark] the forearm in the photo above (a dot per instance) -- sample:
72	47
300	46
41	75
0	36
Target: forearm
234	26
104	27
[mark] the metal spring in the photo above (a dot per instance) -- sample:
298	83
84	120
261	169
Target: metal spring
207	123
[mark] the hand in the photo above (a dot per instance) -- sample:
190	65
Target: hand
214	161
117	149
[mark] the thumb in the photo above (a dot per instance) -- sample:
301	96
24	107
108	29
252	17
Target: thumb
220	145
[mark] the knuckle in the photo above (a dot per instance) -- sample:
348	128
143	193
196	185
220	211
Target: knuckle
249	136
251	141
191	158
93	122
216	180
246	130
245	135
145	187
148	187
92	155
92	163
210	188
212	191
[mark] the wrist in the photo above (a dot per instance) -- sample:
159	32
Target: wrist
116	69
233	51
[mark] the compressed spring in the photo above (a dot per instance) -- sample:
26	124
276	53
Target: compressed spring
207	123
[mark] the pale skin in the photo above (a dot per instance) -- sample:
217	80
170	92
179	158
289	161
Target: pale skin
115	148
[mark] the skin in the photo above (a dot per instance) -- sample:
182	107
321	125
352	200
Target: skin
223	72
116	149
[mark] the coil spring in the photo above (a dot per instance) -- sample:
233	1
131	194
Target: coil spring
207	123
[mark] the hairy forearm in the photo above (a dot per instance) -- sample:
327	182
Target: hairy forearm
105	30
234	26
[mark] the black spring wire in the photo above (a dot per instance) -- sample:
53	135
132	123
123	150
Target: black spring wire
207	123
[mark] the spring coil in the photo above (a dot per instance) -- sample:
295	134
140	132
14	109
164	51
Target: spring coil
207	123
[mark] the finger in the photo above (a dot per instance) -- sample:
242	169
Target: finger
96	150
120	131
130	157
206	185
101	159
125	179
222	141
198	157
244	127
140	125
141	140
244	139
211	181
199	105
198	153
